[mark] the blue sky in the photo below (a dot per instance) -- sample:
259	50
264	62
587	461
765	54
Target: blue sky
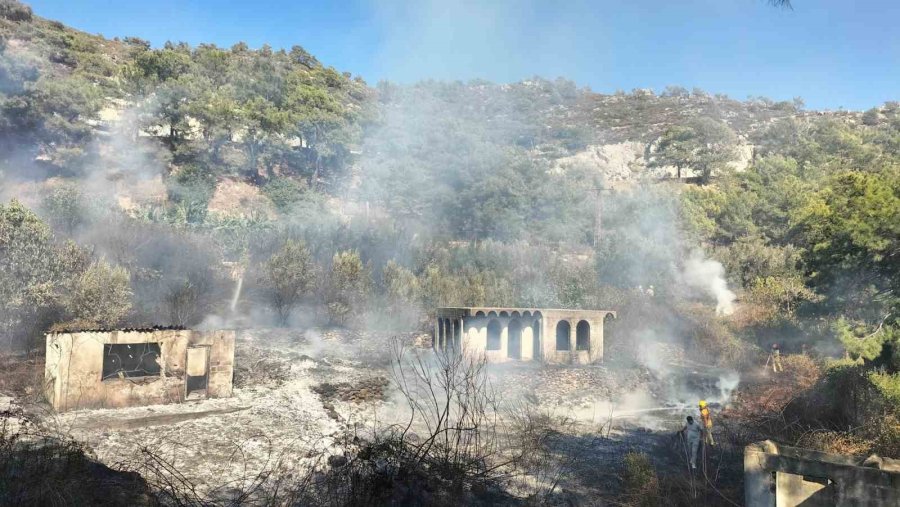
833	53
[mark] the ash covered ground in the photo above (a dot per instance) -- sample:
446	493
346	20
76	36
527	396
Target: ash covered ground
302	396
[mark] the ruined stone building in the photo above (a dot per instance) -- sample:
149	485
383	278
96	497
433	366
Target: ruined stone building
786	476
114	369
523	334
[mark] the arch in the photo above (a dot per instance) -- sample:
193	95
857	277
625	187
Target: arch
515	314
514	339
526	314
563	330
504	314
583	336
536	340
493	335
537	314
479	313
492	313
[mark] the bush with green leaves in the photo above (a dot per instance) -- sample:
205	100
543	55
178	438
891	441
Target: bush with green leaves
639	481
32	274
285	193
348	286
288	277
191	188
65	207
101	294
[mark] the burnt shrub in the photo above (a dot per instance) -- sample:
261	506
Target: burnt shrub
37	468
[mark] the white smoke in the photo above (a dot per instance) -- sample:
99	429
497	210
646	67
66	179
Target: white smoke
708	276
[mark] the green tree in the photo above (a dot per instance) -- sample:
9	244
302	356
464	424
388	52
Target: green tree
31	273
675	148
716	147
400	285
401	292
101	294
349	283
705	145
65	207
850	232
289	276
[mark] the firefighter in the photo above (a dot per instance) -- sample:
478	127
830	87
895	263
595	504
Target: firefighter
707	424
775	359
693	432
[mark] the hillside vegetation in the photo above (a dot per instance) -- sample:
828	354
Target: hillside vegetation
131	174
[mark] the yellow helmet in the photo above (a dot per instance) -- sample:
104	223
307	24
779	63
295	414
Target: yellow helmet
702	403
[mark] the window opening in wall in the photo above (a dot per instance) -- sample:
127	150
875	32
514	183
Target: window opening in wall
131	360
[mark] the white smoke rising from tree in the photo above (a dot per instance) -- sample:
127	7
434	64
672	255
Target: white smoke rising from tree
709	276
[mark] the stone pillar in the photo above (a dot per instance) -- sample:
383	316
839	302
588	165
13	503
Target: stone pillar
504	339
597	340
460	335
759	485
548	338
573	345
436	339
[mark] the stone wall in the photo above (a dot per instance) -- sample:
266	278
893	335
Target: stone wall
521	334
788	476
74	368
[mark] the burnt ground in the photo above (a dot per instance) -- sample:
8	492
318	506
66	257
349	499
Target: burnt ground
299	395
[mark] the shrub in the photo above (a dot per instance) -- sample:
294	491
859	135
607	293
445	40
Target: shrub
888	387
289	275
30	273
348	285
401	291
101	294
37	468
192	187
285	193
15	11
710	338
64	206
802	370
639	481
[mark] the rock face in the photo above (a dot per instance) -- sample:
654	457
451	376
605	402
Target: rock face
618	163
622	163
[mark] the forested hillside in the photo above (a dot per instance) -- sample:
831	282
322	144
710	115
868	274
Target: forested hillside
139	184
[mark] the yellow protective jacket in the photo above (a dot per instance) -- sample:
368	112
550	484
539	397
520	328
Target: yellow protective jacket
704	414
